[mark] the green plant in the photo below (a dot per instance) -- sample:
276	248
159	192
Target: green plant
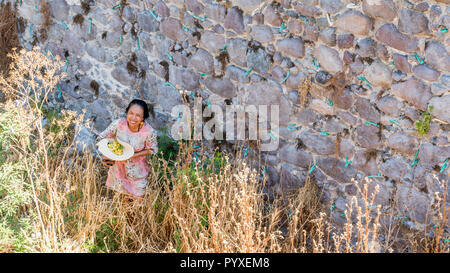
167	146
106	239
423	126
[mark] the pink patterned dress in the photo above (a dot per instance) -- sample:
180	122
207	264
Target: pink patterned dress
130	176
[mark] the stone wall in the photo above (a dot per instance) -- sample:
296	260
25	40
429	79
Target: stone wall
355	77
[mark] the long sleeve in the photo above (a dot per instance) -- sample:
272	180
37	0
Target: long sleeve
151	141
110	131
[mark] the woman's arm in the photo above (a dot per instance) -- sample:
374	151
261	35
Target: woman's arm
143	153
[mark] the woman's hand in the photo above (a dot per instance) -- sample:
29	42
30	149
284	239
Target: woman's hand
107	162
142	153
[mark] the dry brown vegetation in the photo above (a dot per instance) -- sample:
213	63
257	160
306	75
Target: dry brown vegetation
8	36
215	205
45	10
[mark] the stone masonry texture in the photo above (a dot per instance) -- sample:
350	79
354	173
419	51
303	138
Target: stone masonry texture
354	79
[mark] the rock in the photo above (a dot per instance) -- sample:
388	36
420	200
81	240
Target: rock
347	117
161	9
145	40
406	144
129	14
85	65
291	154
196	7
272	17
97	52
294	80
277	73
234	20
289	181
264	93
221	86
212	42
295	26
412	22
364	163
236	74
328	36
354	22
215	12
311	33
445	80
412	203
321	107
84	139
366	110
323	77
292	46
437	89
318	144
395	168
441	108
383	53
171	28
168	97
401	63
346	148
390	105
248	6
328	58
379	74
259	60
331	6
59	9
121	75
339	172
383	9
425	72
348	57
307	10
367	136
422	7
149	23
285	111
237	49
345	40
390	36
357	67
262	33
343	100
414	91
398	76
366	47
306	117
437	56
72	43
202	61
334	126
186	77
433	155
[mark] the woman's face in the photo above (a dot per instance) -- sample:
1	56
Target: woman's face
135	116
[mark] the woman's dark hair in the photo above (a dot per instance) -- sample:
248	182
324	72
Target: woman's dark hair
142	104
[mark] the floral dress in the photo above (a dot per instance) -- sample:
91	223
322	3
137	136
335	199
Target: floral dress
130	176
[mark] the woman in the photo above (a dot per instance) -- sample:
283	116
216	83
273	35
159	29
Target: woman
130	176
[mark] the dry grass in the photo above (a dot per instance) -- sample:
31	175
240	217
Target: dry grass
214	205
303	90
45	10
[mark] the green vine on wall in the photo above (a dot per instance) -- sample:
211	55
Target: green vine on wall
423	126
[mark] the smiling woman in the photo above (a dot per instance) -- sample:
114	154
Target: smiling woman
130	176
